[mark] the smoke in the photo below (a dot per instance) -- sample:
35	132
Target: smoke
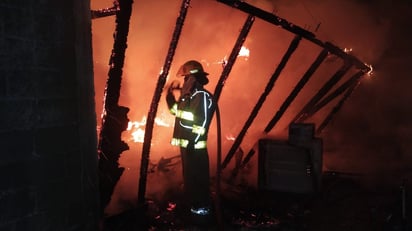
371	134
371	129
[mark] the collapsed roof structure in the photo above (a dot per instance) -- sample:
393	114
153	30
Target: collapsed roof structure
332	92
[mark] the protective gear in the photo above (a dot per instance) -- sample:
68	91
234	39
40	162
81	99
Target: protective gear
188	86
193	114
194	69
200	211
170	99
186	144
175	85
191	67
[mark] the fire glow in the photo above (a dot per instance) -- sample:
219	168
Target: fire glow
347	50
370	72
136	128
244	52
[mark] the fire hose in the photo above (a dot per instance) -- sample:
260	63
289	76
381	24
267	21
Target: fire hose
218	165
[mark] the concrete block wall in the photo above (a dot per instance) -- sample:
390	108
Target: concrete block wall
48	156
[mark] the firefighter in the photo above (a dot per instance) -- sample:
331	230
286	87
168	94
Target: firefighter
193	113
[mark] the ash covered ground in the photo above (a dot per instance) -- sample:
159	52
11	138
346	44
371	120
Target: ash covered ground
344	203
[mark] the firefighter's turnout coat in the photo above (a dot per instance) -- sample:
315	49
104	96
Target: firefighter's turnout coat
193	114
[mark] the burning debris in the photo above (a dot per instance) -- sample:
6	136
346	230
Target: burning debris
165	164
114	117
343	204
169	214
109	11
136	128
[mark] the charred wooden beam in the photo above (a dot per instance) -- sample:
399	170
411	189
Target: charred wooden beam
114	120
110	11
216	95
333	49
232	57
155	102
239	167
315	65
303	114
278	21
292	47
271	18
337	107
338	91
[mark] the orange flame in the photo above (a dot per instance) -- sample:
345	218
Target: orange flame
136	128
347	50
244	52
370	72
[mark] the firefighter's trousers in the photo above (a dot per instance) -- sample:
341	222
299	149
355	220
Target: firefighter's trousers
195	166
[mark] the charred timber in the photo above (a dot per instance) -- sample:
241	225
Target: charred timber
303	114
232	57
292	47
278	21
335	109
305	78
340	90
333	49
114	120
269	17
104	12
218	90
243	164
155	103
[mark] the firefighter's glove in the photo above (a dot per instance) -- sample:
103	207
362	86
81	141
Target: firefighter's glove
170	99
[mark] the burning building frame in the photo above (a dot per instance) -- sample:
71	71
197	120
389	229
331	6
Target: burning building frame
311	82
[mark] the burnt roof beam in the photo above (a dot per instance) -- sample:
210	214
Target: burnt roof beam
278	21
292	47
302	82
303	114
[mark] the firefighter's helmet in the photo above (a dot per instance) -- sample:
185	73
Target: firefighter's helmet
191	67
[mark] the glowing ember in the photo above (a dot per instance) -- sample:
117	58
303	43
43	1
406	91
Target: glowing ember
371	69
347	50
171	206
136	128
138	135
244	52
230	137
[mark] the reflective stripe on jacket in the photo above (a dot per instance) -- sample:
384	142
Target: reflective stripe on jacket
193	115
184	143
